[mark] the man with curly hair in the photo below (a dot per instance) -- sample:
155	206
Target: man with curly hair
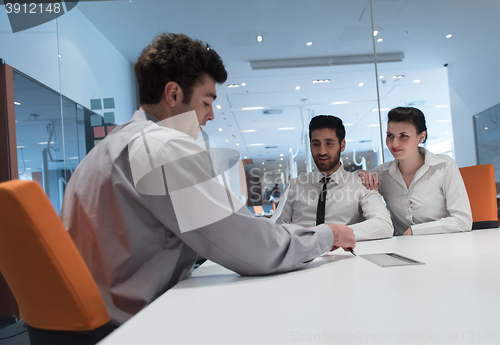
145	202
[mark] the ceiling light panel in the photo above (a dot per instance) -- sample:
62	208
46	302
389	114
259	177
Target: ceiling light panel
333	60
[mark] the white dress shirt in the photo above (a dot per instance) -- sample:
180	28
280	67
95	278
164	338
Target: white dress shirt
347	202
139	242
436	201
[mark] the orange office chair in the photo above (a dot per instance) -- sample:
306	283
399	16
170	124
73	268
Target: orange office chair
56	294
479	182
258	210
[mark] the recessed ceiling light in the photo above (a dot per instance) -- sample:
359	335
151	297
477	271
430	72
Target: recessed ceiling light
245	157
340	102
252	108
380	40
449	36
220	129
374	125
17	103
347	124
381	77
243	84
281	158
21	147
264	169
297	88
399	76
309	43
442	106
260	39
416	81
485	128
361	84
237	144
218	106
375	32
233	85
381	109
227	140
285	128
281	155
45	143
248	130
262	162
321	81
260	144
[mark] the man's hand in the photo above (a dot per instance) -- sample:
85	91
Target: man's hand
368	179
343	237
409	231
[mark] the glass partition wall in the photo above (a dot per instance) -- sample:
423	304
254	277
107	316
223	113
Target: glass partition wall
50	131
421	80
287	62
53	131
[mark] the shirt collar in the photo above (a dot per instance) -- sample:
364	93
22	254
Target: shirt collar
142	115
336	176
430	160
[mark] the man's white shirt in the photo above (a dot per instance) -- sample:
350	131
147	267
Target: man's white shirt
347	202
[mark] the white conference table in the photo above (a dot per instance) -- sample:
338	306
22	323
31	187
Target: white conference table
338	299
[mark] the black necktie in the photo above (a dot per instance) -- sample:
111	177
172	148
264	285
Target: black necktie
320	213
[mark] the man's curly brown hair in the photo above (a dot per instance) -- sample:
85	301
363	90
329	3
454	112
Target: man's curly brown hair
178	58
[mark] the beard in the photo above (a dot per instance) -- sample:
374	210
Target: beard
329	165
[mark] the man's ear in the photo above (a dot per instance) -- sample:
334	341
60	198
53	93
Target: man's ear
172	93
342	145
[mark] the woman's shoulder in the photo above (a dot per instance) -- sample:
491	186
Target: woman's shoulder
436	159
382	167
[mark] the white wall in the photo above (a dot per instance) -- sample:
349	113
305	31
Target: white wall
91	67
473	81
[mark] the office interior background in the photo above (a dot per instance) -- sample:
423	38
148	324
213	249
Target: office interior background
287	61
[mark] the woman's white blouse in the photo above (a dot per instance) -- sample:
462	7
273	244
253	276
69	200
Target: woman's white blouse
435	202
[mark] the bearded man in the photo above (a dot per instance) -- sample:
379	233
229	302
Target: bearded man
331	194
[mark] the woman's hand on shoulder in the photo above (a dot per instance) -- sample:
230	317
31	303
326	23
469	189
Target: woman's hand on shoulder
368	179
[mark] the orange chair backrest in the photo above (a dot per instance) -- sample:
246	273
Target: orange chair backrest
41	264
258	209
480	184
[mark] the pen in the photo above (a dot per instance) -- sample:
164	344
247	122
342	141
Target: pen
353	253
